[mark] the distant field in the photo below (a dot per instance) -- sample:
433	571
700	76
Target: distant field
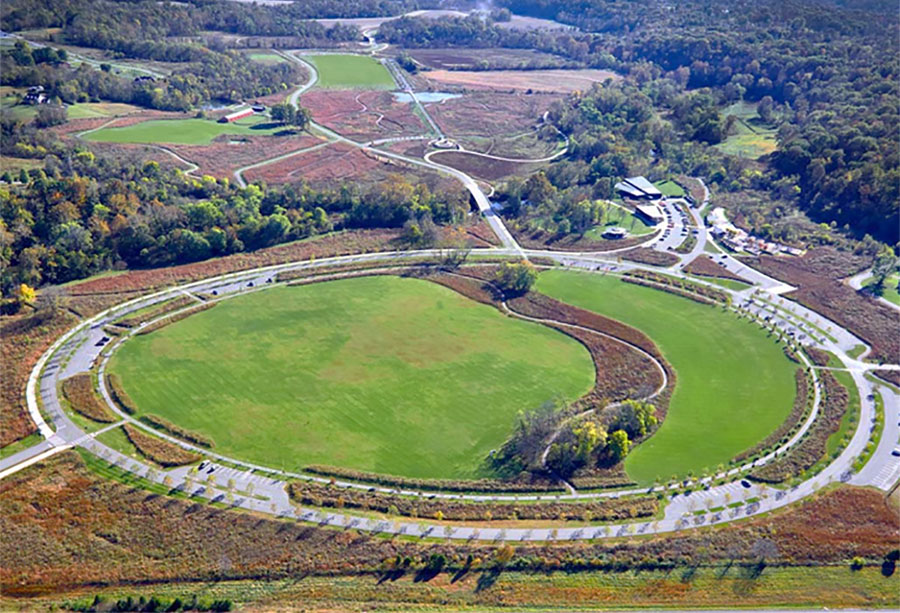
735	386
180	131
351	71
752	137
556	80
266	58
382	374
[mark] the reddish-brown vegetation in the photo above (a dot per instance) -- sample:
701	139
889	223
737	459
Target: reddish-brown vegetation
530	484
177	431
162	323
705	266
328	164
780	435
23	338
817	276
811	447
228	153
342	243
162	452
482	167
130	321
676	286
310	493
63	526
363	115
118	393
552	80
651	257
485	114
79	391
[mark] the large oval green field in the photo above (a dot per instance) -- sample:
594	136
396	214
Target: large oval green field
385	374
734	385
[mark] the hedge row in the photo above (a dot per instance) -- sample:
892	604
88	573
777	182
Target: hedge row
480	485
162	452
118	393
801	404
612	509
162	323
813	447
79	391
176	430
695	291
165	307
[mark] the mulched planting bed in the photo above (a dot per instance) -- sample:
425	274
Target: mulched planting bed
162	452
177	431
812	448
79	391
114	383
162	323
705	266
131	321
651	257
531	484
679	287
817	276
314	494
801	405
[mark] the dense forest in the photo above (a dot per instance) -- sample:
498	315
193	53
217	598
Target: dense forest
84	213
828	74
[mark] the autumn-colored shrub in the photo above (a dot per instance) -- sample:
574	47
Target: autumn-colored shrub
162	452
177	431
812	447
607	509
79	391
118	393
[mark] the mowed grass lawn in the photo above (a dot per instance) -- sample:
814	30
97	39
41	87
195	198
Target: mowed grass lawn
350	71
734	387
398	376
181	131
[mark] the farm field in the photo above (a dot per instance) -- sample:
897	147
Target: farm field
181	131
553	80
719	407
351	71
354	373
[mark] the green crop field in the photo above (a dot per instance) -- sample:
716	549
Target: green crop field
735	386
383	374
350	71
181	131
